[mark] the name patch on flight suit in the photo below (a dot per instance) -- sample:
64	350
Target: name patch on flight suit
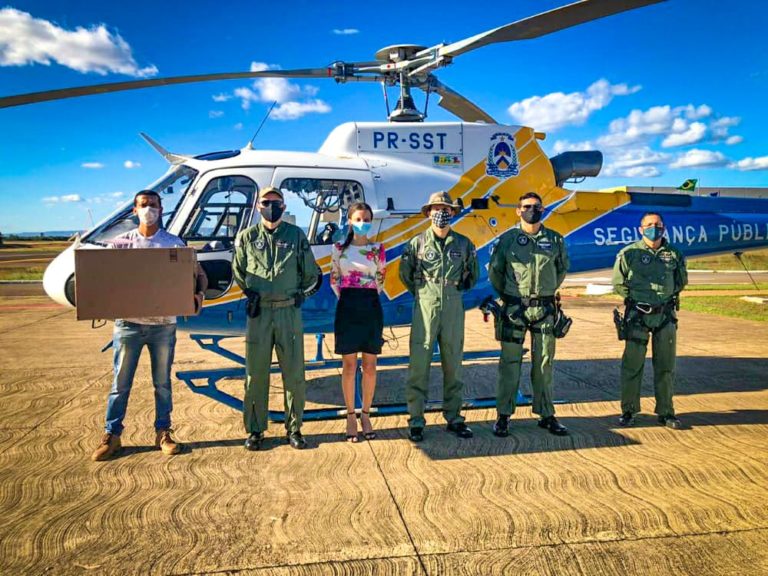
454	254
645	259
522	240
282	244
545	244
666	257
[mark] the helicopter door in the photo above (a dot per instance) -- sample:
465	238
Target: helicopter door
223	210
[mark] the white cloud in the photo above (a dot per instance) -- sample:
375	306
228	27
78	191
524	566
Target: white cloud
637	126
566	145
641	172
293	101
680	126
238	126
557	109
345	31
749	164
130	164
66	198
222	97
293	110
720	126
636	162
696	112
215	114
700	158
690	134
731	140
25	40
92	165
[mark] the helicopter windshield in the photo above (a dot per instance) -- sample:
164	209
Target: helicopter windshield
172	187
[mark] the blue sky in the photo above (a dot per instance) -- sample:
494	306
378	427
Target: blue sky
668	92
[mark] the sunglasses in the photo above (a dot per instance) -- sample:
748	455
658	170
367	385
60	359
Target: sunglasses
268	203
527	207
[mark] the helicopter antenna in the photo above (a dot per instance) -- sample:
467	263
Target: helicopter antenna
249	146
386	96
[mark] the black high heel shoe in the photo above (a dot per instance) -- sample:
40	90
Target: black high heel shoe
352	426
368	432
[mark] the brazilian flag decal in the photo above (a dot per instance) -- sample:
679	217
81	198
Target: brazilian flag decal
688	186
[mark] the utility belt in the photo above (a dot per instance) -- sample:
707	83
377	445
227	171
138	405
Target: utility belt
528	302
278	303
631	325
255	303
441	281
511	325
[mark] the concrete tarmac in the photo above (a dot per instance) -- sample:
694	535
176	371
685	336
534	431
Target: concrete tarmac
603	501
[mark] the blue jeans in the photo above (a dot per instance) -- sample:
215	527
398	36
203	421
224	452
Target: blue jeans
128	340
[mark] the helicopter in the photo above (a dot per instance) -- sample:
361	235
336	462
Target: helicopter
394	166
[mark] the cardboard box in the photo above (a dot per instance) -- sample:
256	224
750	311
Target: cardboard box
134	283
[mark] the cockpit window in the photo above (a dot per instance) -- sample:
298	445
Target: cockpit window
329	200
225	206
172	187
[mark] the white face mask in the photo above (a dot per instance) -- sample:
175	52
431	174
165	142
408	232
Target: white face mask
148	215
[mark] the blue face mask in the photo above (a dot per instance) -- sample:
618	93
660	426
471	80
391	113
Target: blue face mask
361	228
653	233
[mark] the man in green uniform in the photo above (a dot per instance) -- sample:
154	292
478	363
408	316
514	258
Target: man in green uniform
273	265
649	274
527	267
436	267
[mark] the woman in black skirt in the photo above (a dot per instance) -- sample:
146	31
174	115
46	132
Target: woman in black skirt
357	278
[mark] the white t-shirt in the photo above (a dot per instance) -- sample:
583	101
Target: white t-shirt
161	239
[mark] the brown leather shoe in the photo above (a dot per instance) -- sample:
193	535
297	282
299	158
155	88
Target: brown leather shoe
110	446
166	443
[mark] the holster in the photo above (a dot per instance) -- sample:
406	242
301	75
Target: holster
620	323
562	322
253	304
509	326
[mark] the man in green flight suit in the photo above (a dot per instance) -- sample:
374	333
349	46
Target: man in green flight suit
436	267
527	267
649	274
273	265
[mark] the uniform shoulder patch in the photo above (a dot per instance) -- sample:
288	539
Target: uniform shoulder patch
523	240
645	259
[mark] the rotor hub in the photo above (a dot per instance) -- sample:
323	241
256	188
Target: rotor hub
398	52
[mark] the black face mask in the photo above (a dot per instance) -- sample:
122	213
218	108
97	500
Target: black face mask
532	216
273	212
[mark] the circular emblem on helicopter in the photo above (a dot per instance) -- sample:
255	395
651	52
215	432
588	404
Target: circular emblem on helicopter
430	256
523	240
645	259
493	222
259	244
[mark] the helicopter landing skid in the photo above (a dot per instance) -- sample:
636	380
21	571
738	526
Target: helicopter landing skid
210	378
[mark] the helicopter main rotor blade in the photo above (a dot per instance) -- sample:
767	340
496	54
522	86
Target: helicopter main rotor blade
35	97
458	105
544	23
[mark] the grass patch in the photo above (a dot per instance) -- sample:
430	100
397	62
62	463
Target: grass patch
763	286
731	306
12	246
757	260
29	273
